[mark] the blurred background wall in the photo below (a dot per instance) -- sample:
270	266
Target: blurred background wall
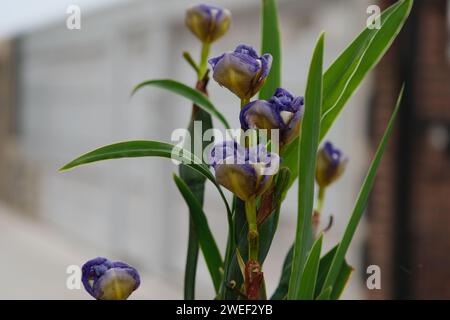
65	92
409	212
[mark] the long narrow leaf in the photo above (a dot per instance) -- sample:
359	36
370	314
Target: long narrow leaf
344	274
324	266
196	183
343	78
191	261
307	166
345	75
187	92
360	203
135	149
325	295
271	43
208	245
309	277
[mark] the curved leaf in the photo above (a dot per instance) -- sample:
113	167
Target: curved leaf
187	92
208	245
140	148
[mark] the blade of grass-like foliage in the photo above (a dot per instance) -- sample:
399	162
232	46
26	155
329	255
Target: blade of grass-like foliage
187	92
135	149
360	204
208	245
271	43
309	276
307	167
344	274
191	262
141	148
196	183
324	265
325	295
347	72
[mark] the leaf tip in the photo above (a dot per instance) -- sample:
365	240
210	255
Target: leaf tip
66	167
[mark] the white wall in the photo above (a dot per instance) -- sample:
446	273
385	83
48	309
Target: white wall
74	96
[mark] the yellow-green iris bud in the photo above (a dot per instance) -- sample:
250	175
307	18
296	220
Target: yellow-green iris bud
208	23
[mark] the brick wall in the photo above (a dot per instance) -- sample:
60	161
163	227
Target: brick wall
410	208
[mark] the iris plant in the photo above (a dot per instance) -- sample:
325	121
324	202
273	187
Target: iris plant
254	170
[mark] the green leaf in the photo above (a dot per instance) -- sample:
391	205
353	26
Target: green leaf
360	203
268	228
196	183
324	266
208	245
325	295
134	149
307	167
309	277
187	92
271	43
343	277
346	74
191	261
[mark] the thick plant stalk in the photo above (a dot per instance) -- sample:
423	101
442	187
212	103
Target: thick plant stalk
196	183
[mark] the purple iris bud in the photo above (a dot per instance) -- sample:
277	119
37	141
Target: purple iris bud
331	164
248	172
243	72
109	280
283	112
208	23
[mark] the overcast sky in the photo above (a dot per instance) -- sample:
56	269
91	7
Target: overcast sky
20	15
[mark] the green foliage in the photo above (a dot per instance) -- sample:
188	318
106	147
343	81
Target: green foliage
187	92
207	242
308	145
271	43
305	274
346	73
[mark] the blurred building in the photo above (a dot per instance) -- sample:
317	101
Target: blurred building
409	214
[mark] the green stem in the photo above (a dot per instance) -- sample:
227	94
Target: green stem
204	60
244	102
187	56
253	235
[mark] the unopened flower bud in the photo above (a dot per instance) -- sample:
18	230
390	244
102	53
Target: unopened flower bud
242	71
109	280
331	164
208	23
